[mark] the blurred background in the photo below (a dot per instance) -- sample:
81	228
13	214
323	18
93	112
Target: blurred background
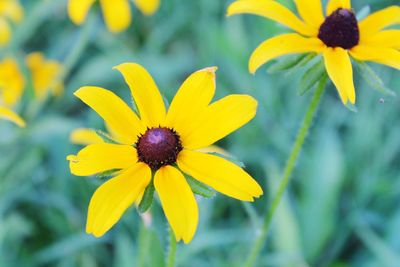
342	206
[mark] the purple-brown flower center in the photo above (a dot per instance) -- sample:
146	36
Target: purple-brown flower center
340	29
158	147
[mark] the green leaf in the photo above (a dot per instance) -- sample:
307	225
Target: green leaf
147	199
199	188
311	77
373	80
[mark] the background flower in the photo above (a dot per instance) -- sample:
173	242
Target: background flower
10	11
335	37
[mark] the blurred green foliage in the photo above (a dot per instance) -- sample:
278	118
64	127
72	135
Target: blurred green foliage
342	205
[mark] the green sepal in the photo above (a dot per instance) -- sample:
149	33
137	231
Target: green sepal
229	158
108	174
199	188
106	137
372	79
311	77
290	63
351	107
147	199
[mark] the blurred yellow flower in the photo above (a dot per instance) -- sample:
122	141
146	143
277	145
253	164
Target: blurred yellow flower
117	13
165	144
83	136
12	85
10	10
45	75
335	37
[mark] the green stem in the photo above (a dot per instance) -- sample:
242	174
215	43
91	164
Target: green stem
301	136
170	260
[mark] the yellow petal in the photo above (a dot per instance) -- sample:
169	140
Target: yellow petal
114	197
191	100
5	32
311	12
333	5
8	114
220	119
78	10
85	137
117	14
379	20
12	82
145	93
281	45
220	174
98	158
271	10
147	7
387	39
338	66
381	55
178	202
115	112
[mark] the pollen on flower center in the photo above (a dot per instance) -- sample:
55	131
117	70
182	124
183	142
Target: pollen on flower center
158	147
340	29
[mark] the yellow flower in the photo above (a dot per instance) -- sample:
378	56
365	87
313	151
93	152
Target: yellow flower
165	144
45	75
9	10
335	37
116	13
83	136
12	85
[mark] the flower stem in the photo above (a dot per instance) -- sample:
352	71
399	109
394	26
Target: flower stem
170	259
298	144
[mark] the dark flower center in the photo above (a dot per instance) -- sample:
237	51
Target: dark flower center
340	29
158	147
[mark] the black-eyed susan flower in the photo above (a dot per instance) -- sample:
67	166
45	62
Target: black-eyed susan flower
160	147
10	10
45	75
117	14
12	85
337	37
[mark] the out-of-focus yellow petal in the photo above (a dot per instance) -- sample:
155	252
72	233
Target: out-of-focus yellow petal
11	9
117	14
5	32
178	202
281	45
191	100
78	10
381	55
147	7
45	75
388	39
271	10
220	174
379	20
114	197
85	137
12	82
123	122
220	119
338	66
10	115
333	5
98	158
311	12
145	93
